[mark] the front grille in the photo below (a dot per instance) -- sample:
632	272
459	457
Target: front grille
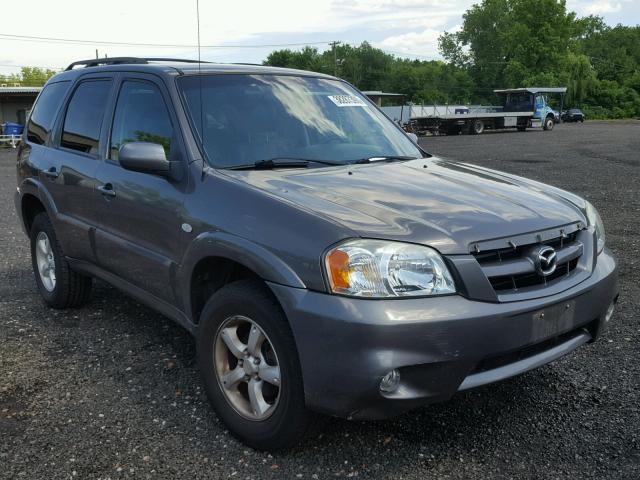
503	254
510	269
517	282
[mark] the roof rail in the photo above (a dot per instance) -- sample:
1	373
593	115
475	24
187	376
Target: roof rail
95	62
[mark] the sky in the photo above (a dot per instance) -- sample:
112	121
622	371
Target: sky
239	31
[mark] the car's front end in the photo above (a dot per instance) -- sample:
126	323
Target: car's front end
435	277
458	277
375	358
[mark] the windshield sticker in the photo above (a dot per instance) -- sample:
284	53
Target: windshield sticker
347	101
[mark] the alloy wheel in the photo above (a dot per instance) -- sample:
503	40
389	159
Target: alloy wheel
46	262
247	368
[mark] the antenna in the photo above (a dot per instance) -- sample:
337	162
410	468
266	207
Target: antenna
200	79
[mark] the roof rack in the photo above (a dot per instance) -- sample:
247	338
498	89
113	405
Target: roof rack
95	62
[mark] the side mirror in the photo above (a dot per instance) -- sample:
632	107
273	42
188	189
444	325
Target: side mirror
144	157
413	137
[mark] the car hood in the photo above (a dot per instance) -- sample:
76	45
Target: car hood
446	205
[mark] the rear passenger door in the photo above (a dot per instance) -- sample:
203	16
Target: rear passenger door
139	234
72	162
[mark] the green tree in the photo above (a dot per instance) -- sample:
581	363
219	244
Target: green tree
306	59
370	68
582	79
511	41
29	77
516	43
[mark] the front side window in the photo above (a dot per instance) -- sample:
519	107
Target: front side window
243	119
44	111
141	116
82	123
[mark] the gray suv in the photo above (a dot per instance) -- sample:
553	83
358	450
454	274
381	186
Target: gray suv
321	259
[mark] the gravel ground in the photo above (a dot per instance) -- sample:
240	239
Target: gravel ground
111	390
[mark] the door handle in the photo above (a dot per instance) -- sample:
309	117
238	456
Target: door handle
107	190
52	173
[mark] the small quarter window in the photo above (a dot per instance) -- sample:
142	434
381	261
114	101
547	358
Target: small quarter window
44	111
84	116
141	116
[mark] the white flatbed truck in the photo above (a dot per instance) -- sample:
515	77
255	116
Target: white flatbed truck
522	108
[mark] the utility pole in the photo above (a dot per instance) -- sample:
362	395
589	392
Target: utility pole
334	44
96	53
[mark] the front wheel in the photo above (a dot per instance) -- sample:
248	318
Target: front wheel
548	124
59	286
249	364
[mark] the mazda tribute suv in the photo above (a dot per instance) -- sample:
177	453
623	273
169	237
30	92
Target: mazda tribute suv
321	259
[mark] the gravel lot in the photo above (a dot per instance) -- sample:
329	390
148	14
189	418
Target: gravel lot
112	391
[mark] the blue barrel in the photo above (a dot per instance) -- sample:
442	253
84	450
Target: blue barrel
13	128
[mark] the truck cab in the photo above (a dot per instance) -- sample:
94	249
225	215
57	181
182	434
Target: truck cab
543	114
533	99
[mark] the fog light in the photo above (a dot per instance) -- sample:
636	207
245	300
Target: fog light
390	382
609	314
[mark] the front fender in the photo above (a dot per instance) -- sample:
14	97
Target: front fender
256	258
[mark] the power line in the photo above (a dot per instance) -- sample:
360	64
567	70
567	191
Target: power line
410	54
31	38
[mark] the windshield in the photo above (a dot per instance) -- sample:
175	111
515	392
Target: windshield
250	118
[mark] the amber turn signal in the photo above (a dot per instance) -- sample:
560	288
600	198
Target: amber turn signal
338	268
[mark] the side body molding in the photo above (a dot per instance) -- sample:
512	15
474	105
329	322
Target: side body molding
263	262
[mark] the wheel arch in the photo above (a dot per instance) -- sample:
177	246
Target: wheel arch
216	259
34	199
30	206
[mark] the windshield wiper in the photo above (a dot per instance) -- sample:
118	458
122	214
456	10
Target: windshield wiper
281	162
385	158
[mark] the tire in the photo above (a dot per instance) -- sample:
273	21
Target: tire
548	124
286	418
522	129
59	286
477	127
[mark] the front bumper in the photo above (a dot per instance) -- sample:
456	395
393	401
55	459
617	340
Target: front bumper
440	345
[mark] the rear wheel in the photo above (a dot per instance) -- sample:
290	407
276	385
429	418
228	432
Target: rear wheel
249	363
59	286
548	123
477	127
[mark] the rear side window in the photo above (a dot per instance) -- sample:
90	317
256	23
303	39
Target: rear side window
44	112
141	116
82	123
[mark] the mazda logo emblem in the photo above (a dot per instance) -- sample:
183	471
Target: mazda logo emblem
545	260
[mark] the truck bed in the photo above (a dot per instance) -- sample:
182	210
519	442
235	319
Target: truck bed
465	116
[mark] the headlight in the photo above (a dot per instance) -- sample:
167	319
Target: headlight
593	217
378	269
